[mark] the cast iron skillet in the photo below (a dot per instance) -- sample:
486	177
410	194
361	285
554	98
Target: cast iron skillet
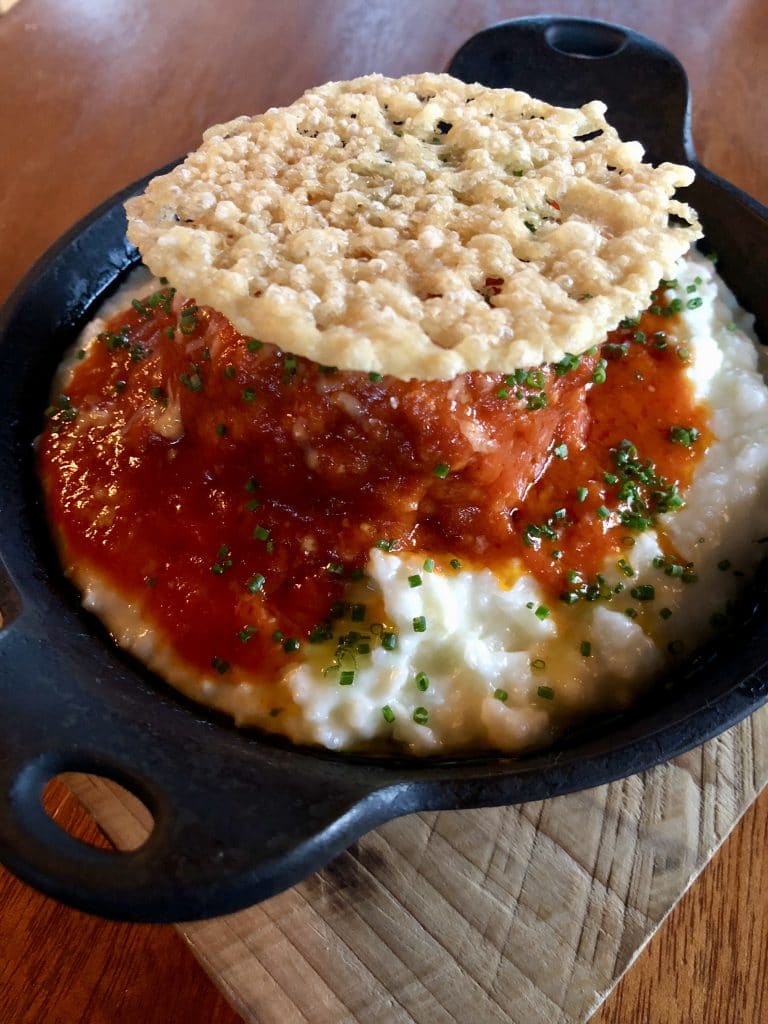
239	816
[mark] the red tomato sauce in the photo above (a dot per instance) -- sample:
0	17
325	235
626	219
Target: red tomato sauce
231	490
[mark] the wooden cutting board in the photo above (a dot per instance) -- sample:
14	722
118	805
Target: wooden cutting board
513	915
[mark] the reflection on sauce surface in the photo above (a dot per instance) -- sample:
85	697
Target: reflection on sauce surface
232	491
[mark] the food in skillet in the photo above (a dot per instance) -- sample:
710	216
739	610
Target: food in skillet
430	429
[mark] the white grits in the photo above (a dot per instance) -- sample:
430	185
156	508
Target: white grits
481	637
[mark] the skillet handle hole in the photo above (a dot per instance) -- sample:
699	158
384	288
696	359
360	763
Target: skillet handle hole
71	799
588	41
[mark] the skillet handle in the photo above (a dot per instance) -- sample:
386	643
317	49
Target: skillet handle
249	820
570	61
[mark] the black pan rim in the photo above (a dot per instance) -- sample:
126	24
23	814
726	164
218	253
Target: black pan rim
480	759
388	787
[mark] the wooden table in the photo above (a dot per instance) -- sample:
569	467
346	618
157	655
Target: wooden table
95	93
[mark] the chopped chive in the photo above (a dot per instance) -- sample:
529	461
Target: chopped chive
193	381
249	395
357	612
538	664
229	371
602	513
546	693
347	677
684	435
501	695
333	568
260	533
388	713
419	624
253	344
255	583
561	451
220	664
567	363
542	612
422	682
252	505
455	563
421	716
694	303
374	378
221	429
581	494
389	641
645	592
441	470
536	402
585	648
598	374
415	580
245	634
666	613
429	565
291	644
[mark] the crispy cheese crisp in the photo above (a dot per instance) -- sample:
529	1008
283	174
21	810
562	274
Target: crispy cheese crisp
418	226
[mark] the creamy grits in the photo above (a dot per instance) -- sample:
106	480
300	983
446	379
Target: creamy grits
483	608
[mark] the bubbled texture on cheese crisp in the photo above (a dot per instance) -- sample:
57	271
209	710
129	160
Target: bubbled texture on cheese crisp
417	226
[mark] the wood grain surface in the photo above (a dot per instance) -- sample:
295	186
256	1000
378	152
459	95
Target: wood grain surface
95	93
510	915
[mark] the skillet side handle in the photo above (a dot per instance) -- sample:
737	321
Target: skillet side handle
190	867
570	61
246	821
